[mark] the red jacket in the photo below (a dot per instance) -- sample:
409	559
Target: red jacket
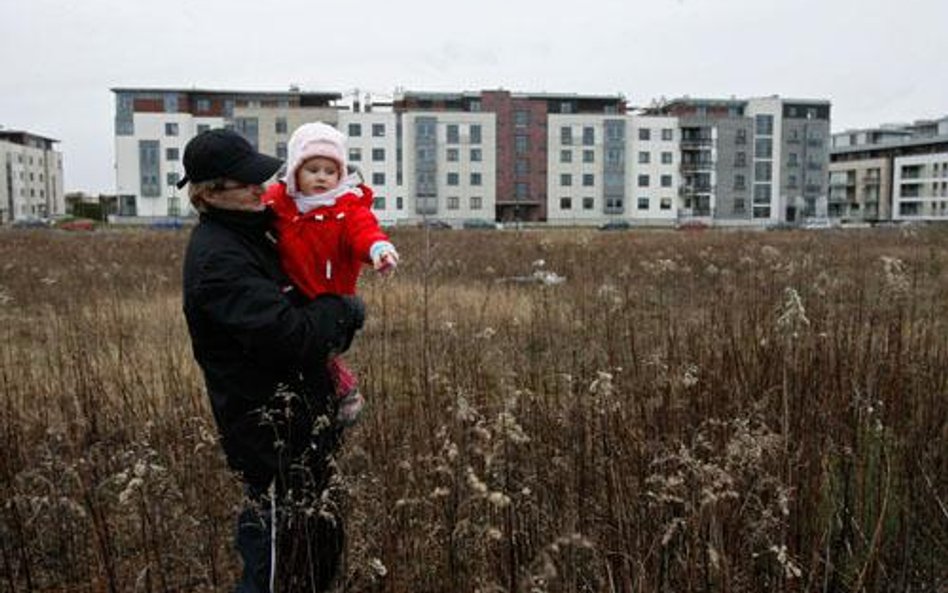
322	251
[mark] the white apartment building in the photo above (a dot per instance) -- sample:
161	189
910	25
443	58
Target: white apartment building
31	176
449	167
893	172
920	187
602	167
152	127
373	148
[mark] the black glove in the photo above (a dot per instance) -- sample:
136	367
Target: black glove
356	309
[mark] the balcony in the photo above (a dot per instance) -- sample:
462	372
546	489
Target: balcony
691	167
691	190
696	142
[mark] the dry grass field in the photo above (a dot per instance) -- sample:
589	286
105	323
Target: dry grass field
553	411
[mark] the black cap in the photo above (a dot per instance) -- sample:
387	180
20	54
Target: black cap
225	154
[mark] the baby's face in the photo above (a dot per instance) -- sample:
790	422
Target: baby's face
317	175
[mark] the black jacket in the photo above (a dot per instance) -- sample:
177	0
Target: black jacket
262	349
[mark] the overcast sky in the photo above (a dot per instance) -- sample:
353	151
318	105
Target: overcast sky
876	60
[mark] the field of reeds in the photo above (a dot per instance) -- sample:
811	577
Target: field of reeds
549	411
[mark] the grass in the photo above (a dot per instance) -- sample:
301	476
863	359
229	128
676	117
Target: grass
682	412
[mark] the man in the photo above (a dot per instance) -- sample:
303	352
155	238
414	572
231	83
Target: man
263	352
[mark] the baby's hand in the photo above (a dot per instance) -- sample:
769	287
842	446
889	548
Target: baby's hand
384	257
386	262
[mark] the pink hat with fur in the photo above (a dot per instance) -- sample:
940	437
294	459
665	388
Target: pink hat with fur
312	140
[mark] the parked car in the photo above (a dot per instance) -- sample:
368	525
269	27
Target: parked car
692	225
438	225
617	224
30	222
479	223
76	224
171	224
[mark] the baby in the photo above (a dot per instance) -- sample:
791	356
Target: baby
327	232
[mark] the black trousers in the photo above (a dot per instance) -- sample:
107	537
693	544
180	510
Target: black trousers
298	521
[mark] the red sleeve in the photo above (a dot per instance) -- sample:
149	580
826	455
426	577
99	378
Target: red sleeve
362	228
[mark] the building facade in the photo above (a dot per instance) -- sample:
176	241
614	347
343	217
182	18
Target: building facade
31	176
895	172
753	161
504	156
152	127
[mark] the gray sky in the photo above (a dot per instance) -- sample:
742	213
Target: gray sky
876	60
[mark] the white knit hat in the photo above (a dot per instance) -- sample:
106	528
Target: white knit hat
312	140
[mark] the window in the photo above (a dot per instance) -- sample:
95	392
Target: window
644	157
452	155
453	135
762	194
454	202
281	150
566	156
521	118
476	133
566	107
589	136
740	136
668	134
566	136
378	178
476	203
453	179
642	203
171	129
739	207
355	130
475	178
792	181
614	156
203	105
280	125
399	203
171	154
378	203
614	204
740	182
740	159
520	144
378	130
378	154
589	156
643	180
566	203
521	167
764	125
665	204
763	171
355	155
645	134
792	159
588	203
476	155
667	158
763	148
566	179
172	179
666	180
589	179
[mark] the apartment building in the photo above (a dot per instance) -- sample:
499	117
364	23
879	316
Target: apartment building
31	176
519	127
152	126
751	161
373	139
606	167
894	172
448	166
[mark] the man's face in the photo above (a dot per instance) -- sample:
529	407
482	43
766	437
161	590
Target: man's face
234	195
